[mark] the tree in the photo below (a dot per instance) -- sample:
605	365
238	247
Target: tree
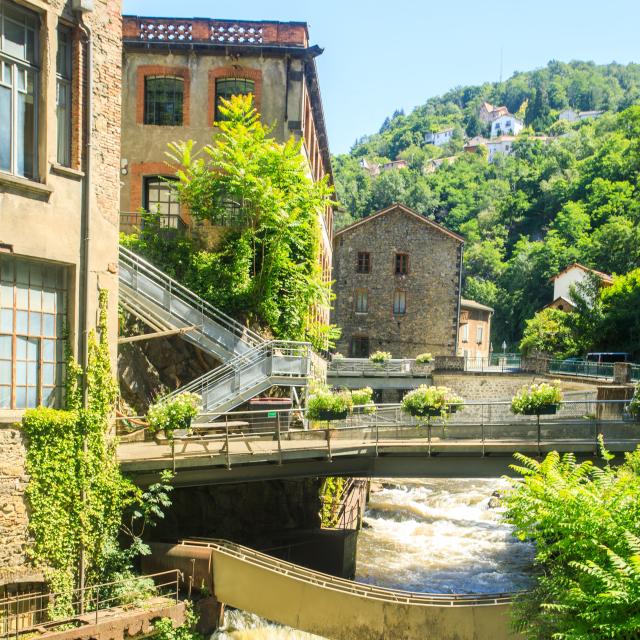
266	268
549	331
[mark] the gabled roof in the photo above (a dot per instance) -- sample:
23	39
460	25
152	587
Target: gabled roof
605	277
403	208
472	304
559	299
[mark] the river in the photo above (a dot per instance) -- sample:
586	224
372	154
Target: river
430	536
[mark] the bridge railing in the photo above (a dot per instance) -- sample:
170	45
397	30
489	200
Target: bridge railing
248	436
363	367
582	368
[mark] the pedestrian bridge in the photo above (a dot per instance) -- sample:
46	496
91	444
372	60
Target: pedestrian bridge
330	607
386	443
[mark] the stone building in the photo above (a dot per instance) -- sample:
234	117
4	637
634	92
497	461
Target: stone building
176	70
474	335
397	285
58	210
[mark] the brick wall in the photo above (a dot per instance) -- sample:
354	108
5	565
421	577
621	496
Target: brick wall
431	286
13	505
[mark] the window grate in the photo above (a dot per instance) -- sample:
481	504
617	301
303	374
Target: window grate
163	100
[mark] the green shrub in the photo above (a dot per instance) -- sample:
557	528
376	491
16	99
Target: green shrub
427	402
362	397
172	414
533	399
380	357
324	403
424	358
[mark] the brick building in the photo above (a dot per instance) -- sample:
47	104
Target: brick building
176	70
58	213
474	336
397	285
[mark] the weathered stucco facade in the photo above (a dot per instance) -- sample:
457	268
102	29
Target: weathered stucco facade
397	285
279	65
474	336
58	220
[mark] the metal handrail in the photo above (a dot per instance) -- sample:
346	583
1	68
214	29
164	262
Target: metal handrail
243	362
86	602
173	287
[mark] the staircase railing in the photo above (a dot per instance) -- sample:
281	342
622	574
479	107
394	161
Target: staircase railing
164	291
274	359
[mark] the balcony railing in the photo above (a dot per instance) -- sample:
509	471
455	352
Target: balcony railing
132	220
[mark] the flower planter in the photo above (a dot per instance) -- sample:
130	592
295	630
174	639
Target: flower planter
546	410
327	414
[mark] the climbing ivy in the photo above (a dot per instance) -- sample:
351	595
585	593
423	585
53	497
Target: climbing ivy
331	495
76	492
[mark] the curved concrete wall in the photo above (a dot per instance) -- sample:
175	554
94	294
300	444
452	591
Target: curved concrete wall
344	610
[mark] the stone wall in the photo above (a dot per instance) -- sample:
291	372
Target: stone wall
13	505
498	386
431	285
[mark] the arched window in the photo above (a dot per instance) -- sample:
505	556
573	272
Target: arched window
227	87
163	100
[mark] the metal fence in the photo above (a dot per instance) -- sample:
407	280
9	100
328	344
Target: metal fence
635	373
277	434
581	368
365	368
29	614
496	362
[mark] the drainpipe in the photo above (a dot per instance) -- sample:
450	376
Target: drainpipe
85	227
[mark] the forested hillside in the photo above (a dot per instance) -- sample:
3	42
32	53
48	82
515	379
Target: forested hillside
528	215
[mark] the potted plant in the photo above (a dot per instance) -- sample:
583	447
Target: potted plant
173	413
429	402
538	399
363	398
380	357
326	405
424	358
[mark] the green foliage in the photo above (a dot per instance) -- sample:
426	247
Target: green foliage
174	413
362	397
585	523
526	216
424	358
326	405
164	629
549	331
531	400
380	357
331	496
76	492
429	401
265	268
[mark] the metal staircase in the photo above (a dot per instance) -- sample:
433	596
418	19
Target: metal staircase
164	304
251	364
271	363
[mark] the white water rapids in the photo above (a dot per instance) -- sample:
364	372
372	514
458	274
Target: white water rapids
430	536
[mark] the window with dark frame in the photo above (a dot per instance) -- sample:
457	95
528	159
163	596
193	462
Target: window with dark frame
161	199
364	262
360	347
163	100
19	81
362	301
33	310
399	302
63	96
402	264
227	87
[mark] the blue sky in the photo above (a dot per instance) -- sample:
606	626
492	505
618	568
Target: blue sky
380	56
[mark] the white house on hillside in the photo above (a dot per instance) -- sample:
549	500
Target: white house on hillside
506	125
488	113
573	275
502	145
439	138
